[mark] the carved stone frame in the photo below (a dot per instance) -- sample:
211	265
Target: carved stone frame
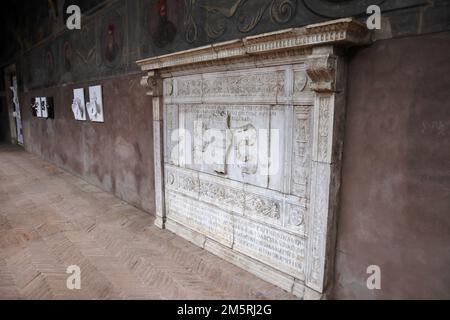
323	45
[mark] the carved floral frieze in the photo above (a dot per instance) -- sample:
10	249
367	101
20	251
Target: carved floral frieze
256	203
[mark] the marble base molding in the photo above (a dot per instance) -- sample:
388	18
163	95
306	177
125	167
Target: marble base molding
274	218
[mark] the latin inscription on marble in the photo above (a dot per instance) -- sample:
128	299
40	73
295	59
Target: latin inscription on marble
274	247
201	217
277	248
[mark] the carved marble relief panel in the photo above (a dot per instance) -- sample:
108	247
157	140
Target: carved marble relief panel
250	220
238	161
231	141
171	136
251	152
263	205
206	145
302	150
261	85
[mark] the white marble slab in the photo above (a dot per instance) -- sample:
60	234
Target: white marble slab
280	93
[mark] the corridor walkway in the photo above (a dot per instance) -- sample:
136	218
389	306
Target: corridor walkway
50	219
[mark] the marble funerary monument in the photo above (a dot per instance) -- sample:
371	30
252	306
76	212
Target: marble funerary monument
279	94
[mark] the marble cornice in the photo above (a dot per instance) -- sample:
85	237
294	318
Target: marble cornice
342	32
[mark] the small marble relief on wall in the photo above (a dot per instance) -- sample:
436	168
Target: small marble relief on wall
33	107
78	105
50	107
95	104
38	107
44	107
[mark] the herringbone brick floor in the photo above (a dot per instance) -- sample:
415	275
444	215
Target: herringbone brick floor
50	219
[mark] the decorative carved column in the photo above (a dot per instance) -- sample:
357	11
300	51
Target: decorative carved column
278	224
153	82
328	83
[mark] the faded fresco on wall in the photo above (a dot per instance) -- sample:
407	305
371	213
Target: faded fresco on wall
121	32
47	17
161	22
214	19
112	39
83	44
160	19
67	56
51	65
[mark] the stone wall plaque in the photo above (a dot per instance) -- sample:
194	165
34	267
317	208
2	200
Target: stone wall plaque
248	146
95	105
39	107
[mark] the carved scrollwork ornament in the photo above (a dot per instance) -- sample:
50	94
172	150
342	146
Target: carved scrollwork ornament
321	70
153	83
191	33
170	179
282	11
297	216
